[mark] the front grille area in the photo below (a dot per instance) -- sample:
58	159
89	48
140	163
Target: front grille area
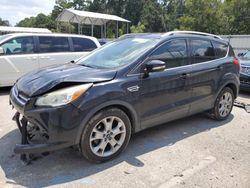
21	98
245	70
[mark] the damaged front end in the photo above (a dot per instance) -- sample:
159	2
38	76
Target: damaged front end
34	140
43	129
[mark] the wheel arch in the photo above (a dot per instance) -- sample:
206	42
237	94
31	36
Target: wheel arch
124	106
232	85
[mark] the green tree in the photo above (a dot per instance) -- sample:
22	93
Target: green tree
39	21
237	15
4	22
133	11
202	15
153	16
139	28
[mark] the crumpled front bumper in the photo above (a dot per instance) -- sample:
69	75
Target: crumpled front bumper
26	148
61	124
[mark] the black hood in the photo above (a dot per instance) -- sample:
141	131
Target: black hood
41	81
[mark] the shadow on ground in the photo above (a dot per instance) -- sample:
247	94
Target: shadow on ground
4	90
67	166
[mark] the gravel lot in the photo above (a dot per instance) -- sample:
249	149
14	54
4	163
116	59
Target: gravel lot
192	152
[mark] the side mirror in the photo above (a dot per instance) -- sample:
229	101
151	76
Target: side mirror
240	54
155	66
1	51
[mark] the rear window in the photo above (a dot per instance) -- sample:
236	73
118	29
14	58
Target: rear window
83	44
202	51
220	49
53	44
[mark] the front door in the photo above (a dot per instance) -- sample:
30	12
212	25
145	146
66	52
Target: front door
19	58
165	96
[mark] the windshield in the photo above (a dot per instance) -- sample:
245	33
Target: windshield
118	53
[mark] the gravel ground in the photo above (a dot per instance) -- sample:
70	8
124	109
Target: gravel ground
191	152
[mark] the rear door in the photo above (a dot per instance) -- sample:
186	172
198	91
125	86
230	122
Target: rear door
54	50
206	73
165	96
20	58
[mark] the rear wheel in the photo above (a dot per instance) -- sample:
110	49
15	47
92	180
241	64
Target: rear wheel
223	105
106	135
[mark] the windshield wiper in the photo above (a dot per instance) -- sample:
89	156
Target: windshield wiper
87	66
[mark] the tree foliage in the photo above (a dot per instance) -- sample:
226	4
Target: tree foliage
213	16
4	22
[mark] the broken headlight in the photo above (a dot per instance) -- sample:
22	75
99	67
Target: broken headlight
62	96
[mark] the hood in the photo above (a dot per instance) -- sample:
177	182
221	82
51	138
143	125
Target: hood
41	81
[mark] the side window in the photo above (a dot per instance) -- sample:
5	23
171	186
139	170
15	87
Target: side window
173	53
220	49
53	44
202	51
83	44
20	45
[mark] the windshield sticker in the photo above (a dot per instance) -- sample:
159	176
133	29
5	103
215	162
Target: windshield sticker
140	40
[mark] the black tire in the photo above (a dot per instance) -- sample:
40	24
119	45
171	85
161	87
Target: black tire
85	142
214	113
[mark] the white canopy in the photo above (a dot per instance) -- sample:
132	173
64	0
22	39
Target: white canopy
6	29
89	18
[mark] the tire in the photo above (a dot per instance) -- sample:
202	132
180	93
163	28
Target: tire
225	100
106	135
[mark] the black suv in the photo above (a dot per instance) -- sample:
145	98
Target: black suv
133	83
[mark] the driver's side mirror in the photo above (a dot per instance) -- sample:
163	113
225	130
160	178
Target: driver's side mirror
155	66
1	51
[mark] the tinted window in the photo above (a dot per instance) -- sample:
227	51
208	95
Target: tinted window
83	44
173	53
202	51
21	45
54	44
220	49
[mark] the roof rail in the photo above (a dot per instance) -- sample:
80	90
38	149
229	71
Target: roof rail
192	33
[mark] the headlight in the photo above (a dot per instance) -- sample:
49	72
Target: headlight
62	96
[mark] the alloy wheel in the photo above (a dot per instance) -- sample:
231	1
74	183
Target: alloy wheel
107	136
225	104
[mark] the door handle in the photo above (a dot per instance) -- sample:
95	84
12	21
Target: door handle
184	76
220	68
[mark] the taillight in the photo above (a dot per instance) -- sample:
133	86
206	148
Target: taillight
236	62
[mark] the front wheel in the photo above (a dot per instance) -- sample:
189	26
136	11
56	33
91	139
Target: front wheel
106	135
223	105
